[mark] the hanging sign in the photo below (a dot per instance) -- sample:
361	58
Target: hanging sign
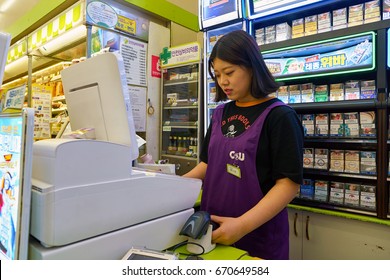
115	16
180	55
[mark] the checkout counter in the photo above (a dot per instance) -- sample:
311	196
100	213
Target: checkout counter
89	203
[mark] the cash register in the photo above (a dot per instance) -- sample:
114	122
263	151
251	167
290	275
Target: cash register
88	202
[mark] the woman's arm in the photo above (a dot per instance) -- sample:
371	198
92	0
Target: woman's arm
233	229
198	171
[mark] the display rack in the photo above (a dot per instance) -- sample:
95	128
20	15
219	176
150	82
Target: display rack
378	143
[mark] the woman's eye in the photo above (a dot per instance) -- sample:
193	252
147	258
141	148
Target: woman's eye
229	73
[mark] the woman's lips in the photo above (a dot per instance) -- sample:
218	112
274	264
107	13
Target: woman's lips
227	91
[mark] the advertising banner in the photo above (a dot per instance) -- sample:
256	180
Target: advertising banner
348	54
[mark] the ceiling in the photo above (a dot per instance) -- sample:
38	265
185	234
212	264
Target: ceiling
11	10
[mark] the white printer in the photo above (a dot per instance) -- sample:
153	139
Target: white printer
88	203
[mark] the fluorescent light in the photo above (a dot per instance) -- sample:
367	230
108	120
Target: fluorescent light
6	5
73	35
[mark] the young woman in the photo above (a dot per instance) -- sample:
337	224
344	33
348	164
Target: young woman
251	159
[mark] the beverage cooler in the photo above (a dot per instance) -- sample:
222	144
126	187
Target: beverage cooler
181	103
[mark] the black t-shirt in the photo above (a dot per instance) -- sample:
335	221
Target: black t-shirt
280	149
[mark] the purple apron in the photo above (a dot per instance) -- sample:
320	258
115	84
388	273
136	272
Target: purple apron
231	187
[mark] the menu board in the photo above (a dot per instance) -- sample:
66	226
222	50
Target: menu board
341	55
134	57
213	12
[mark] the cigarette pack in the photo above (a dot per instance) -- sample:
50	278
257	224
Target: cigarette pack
367	89
386	9
311	26
295	94
321	158
307	92
352	197
336	124
324	22
308	124
321	125
298	28
352	90
351	124
283	94
339	18
336	161
283	32
355	15
260	36
336	92
270	34
321	190
372	11
352	161
308	157
336	193
368	162
367	124
368	197
321	93
307	189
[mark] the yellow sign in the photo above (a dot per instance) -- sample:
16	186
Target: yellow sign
127	25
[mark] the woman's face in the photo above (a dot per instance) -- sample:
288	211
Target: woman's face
234	80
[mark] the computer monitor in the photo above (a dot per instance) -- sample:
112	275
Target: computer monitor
5	40
16	141
97	97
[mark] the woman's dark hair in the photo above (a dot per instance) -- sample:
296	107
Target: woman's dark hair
240	48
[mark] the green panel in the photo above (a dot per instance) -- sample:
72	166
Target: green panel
39	11
162	8
169	11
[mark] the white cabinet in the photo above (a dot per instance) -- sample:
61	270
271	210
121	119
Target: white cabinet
315	236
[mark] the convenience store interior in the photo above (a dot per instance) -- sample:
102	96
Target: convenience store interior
346	206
